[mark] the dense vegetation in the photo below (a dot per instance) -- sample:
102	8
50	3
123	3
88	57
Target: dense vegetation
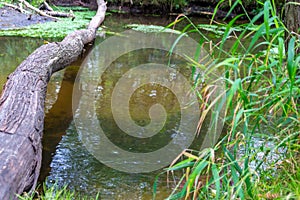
155	6
258	158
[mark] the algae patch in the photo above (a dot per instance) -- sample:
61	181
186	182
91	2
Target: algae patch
151	28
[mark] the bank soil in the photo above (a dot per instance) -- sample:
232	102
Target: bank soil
13	19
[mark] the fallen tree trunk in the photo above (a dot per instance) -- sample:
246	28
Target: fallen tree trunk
20	9
49	12
22	108
36	10
60	14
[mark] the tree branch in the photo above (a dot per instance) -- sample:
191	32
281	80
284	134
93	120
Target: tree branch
22	108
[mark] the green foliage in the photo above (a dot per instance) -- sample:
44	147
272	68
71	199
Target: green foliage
36	2
55	193
262	141
170	4
32	2
166	4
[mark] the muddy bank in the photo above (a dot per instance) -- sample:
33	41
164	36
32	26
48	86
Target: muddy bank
13	19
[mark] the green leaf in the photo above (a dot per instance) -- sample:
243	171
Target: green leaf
181	165
216	177
266	18
281	50
290	60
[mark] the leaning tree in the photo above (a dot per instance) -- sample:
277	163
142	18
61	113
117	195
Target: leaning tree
22	108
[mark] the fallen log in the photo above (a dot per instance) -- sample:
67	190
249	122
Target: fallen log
22	108
60	14
45	6
20	9
49	12
36	10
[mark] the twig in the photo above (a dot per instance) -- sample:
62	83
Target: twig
36	10
15	7
60	14
46	6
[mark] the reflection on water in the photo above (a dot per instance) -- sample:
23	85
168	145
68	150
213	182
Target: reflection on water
59	113
140	102
65	159
12	52
73	165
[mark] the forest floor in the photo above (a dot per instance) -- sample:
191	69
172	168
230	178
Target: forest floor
13	19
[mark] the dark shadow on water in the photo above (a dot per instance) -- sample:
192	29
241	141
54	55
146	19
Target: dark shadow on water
59	117
57	120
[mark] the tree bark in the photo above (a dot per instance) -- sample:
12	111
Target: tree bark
292	20
22	108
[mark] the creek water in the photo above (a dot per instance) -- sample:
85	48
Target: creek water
66	161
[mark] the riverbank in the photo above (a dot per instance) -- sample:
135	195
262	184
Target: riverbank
262	104
13	19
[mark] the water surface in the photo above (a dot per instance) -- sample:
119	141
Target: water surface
65	158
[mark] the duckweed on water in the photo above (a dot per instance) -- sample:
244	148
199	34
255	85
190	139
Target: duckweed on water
151	28
220	29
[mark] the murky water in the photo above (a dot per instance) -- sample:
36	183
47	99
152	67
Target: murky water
65	158
66	161
12	52
73	165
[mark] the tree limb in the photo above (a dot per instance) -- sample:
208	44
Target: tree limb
15	7
22	108
36	10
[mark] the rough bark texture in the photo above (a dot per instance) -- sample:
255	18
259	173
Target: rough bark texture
292	19
22	108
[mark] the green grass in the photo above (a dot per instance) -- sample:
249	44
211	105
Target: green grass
262	102
55	193
262	106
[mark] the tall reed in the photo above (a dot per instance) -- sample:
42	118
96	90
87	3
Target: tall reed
262	140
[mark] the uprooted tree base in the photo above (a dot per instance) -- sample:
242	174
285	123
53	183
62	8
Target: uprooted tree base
22	108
